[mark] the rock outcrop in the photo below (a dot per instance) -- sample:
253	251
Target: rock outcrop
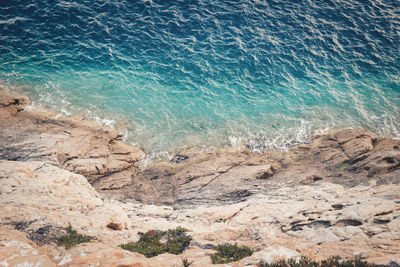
347	157
71	143
337	194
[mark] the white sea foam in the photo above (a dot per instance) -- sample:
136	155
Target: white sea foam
209	74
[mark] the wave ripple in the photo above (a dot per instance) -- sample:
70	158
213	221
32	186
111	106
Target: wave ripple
209	72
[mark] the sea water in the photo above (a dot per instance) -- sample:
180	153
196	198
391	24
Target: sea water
209	73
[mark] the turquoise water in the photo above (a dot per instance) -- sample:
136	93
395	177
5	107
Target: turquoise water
178	74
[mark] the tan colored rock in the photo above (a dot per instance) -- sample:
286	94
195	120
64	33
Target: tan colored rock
286	222
217	195
344	136
310	179
70	142
265	172
304	146
119	222
358	146
9	99
17	250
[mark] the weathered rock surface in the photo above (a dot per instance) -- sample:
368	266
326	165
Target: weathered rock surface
335	195
346	157
318	221
72	143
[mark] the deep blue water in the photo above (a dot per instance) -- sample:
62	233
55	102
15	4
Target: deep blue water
177	74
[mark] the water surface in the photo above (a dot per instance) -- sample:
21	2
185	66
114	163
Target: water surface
209	73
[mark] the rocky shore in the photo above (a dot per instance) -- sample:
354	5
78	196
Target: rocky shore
338	194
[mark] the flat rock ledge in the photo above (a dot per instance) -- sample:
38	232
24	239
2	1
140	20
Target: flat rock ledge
338	194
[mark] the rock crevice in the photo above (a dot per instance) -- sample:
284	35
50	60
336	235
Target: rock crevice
337	194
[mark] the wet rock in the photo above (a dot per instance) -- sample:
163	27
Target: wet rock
273	202
8	100
70	142
179	158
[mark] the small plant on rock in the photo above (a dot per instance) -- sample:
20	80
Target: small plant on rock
307	262
177	240
151	244
148	244
228	253
186	263
73	238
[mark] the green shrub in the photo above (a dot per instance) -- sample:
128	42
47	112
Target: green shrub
177	240
72	238
307	262
227	253
150	243
186	263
